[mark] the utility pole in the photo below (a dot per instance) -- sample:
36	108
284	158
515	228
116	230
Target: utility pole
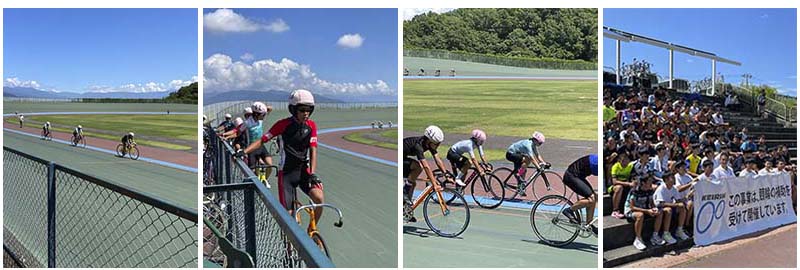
747	78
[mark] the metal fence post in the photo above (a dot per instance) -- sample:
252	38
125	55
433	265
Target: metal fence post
51	215
250	221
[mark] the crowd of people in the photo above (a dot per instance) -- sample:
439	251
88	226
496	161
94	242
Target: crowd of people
658	145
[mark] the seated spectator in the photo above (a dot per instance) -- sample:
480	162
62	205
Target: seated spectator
685	184
708	169
669	200
751	170
694	160
620	182
723	170
768	169
640	205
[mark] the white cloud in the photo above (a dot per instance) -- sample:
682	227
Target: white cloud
350	41
247	57
764	16
225	20
148	87
221	73
409	13
16	82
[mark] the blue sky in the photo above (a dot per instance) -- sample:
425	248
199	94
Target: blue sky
763	40
78	50
352	53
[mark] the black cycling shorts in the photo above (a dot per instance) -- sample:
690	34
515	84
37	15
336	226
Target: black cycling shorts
456	161
581	186
407	161
253	157
289	181
517	159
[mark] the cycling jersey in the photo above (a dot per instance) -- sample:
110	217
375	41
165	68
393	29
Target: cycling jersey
575	176
227	125
295	140
77	131
415	147
524	147
127	139
255	128
466	146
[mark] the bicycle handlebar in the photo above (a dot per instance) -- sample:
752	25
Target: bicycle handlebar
338	223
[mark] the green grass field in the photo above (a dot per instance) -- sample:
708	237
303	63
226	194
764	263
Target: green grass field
560	109
27	107
479	69
182	127
359	137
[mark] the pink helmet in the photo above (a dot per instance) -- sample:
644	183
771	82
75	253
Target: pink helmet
538	136
238	121
479	135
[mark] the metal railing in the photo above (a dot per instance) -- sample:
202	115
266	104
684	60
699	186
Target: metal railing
773	106
252	218
56	216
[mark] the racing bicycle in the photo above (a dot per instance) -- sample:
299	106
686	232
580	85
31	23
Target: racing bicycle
540	179
79	140
487	190
445	210
47	135
313	232
132	151
553	227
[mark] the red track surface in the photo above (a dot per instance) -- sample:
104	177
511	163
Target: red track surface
172	156
336	139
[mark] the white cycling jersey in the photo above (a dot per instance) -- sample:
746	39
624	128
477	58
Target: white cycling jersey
466	146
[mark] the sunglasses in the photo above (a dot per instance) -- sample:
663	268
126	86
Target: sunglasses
305	109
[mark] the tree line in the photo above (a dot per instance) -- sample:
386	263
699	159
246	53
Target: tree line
568	34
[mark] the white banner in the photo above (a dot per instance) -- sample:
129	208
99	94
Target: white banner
736	206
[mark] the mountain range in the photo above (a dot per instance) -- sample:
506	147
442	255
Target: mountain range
27	92
271	95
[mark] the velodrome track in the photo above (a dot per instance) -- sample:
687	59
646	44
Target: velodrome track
167	174
365	189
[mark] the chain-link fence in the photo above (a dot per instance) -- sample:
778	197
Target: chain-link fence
58	217
251	218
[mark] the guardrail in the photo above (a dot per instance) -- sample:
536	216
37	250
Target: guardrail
773	106
253	219
55	216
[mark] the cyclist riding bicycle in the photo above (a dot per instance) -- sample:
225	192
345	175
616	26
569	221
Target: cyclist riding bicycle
415	147
237	134
575	179
298	136
77	133
127	141
460	163
46	128
524	152
21	120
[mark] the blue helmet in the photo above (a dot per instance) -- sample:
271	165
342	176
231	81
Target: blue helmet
593	163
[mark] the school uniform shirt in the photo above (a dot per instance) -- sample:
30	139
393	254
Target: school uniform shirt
680	180
722	172
666	195
748	173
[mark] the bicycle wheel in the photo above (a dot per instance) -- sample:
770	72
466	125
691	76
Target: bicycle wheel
73	141
83	142
541	182
134	154
509	183
488	192
120	147
320	243
552	226
448	219
440	178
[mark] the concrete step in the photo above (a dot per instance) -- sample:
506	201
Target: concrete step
607	205
627	254
619	232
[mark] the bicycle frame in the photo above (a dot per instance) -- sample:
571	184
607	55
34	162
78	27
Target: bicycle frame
434	187
530	180
310	210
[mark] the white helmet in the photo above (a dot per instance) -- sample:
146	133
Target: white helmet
300	97
434	134
48	123
130	133
80	127
238	121
248	110
538	136
228	116
259	108
204	118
